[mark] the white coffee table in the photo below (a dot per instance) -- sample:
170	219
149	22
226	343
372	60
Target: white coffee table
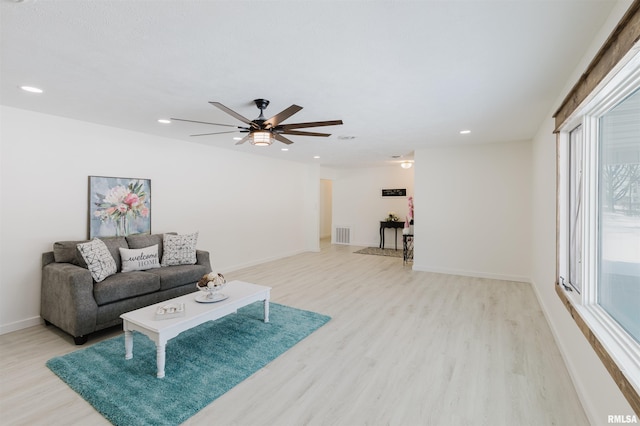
161	331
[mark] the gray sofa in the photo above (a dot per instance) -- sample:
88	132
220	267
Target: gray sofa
72	301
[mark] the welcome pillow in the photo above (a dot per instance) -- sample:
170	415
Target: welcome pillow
98	258
139	259
179	249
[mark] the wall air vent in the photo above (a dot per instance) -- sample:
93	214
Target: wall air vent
343	235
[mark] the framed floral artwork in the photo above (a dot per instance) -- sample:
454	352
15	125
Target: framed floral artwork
119	206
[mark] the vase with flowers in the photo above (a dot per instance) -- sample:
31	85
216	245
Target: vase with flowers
392	217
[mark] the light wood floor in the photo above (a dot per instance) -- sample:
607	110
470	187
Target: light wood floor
402	348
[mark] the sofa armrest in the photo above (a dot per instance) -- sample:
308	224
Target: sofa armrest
67	298
47	258
202	258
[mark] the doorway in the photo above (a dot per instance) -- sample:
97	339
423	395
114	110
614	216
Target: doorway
326	210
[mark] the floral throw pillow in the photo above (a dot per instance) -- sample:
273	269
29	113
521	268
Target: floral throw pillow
99	261
179	249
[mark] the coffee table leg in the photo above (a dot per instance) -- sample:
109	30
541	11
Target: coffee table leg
160	357
128	344
266	310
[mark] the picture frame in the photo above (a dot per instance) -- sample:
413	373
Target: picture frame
119	206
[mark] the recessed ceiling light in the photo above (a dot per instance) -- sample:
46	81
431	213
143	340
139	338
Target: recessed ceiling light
237	138
31	89
345	137
465	132
284	149
316	156
164	121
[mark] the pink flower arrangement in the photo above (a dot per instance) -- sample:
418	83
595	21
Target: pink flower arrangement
409	218
120	203
131	199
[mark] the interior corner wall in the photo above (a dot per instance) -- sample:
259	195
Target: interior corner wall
358	201
242	218
473	210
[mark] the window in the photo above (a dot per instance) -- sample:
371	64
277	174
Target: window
599	216
574	273
618	280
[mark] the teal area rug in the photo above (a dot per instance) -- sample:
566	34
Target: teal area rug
202	364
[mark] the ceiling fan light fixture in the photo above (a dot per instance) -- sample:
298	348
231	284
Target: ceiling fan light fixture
261	138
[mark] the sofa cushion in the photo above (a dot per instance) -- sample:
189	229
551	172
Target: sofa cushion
147	240
125	285
67	251
175	276
140	259
114	244
99	261
179	249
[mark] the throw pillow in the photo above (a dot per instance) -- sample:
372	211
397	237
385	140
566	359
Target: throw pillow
139	259
99	261
179	249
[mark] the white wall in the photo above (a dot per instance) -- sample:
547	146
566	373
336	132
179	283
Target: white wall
473	210
357	201
598	392
247	208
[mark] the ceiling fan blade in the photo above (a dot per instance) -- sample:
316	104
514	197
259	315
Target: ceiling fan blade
282	115
243	140
215	133
232	113
281	138
301	133
311	124
203	122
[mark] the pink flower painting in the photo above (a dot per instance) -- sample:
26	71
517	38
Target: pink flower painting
119	206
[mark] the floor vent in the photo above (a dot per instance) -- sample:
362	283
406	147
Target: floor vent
343	235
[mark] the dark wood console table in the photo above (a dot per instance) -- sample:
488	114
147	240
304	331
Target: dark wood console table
389	224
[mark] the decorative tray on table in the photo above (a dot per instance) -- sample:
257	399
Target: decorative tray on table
170	310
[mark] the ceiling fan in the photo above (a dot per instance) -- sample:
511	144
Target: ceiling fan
263	132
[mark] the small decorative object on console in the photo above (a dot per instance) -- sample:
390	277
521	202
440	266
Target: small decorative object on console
392	217
210	285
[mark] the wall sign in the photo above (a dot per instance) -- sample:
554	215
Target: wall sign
394	192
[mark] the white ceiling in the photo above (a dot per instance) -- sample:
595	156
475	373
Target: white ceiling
402	75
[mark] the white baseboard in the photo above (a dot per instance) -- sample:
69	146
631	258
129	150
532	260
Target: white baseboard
233	268
475	274
19	325
577	384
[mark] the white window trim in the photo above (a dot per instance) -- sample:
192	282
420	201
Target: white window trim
621	347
